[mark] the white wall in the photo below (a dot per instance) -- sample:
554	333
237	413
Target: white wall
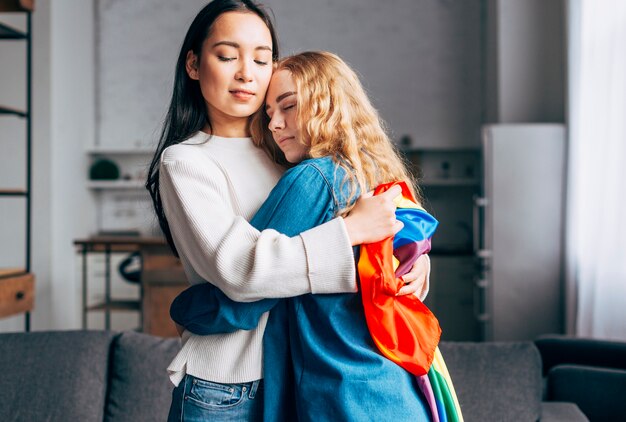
420	61
526	61
72	106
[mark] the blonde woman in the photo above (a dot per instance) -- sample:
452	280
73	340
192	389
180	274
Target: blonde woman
327	366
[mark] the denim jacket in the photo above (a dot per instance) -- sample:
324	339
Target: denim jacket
319	359
302	199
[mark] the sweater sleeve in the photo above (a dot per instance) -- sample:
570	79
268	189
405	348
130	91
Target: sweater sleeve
246	264
302	199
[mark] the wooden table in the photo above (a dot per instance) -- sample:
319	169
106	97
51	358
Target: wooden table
162	278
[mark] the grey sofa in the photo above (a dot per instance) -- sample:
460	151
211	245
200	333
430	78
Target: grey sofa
101	375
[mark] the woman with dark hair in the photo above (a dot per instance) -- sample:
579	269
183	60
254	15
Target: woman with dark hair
207	178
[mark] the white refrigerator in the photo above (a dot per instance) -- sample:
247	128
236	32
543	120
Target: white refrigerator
519	232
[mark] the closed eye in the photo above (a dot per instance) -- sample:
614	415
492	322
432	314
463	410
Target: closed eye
225	59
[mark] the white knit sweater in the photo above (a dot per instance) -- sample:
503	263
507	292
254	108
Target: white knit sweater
211	187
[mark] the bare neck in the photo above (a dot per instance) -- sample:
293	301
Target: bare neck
228	126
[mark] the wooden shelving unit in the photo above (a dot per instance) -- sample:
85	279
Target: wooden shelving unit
17	285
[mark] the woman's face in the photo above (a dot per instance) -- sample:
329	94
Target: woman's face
281	106
234	67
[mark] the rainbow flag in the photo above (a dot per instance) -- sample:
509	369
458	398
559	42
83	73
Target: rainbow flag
439	391
402	327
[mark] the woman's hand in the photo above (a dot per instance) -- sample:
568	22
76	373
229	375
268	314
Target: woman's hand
373	218
418	279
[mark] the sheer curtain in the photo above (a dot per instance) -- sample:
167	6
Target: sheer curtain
596	225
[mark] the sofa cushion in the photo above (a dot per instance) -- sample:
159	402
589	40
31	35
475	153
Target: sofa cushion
140	389
495	381
53	376
555	411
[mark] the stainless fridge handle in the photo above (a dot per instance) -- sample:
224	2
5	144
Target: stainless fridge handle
480	288
478	203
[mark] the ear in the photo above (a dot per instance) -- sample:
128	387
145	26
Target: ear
191	65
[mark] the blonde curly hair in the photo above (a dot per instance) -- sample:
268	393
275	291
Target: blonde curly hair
336	118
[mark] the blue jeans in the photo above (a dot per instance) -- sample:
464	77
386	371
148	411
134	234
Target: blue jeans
197	400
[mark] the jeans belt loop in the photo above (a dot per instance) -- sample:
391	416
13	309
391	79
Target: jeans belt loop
254	386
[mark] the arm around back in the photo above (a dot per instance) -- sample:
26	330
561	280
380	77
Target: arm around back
301	200
246	264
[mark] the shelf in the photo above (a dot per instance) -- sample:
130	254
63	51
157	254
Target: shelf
449	182
451	252
117	305
11	272
120	151
445	149
17	5
115	184
12	111
9	33
13	192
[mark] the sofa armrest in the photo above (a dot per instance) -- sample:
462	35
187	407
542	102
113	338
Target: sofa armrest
561	412
598	392
558	350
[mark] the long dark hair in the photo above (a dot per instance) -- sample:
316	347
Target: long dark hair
187	113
